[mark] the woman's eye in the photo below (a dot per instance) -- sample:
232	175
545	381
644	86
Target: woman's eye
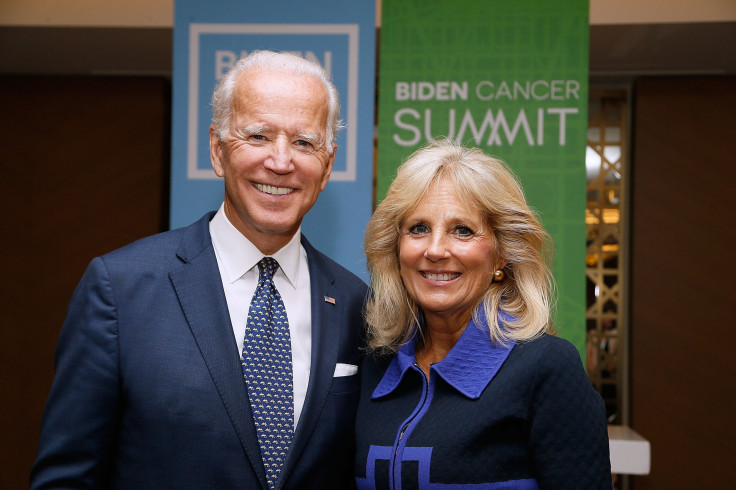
463	231
418	229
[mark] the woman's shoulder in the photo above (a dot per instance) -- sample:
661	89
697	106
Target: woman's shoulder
546	343
547	353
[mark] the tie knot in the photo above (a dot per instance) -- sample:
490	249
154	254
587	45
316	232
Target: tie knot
267	268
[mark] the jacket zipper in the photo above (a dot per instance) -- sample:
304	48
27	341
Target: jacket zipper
396	458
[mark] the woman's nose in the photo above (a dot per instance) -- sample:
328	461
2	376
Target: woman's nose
437	248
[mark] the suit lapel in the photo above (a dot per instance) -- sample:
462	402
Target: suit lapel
325	346
199	288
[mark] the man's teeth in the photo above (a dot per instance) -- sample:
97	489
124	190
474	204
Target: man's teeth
440	277
276	191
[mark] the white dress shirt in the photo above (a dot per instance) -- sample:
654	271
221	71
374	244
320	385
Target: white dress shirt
237	259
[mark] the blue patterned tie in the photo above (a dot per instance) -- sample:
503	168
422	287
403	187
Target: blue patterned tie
267	371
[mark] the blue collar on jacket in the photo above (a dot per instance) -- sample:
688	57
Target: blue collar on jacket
469	366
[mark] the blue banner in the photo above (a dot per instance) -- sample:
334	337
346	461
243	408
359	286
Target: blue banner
209	37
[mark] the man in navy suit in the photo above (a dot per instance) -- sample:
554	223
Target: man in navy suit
149	391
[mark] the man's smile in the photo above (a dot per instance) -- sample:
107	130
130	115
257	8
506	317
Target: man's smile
273	190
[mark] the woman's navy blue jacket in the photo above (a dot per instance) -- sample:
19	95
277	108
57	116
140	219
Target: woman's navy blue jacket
489	417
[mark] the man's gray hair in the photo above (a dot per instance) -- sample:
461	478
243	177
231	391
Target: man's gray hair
277	62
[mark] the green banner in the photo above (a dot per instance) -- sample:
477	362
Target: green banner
507	76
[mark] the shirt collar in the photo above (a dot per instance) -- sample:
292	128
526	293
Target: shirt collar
469	366
238	255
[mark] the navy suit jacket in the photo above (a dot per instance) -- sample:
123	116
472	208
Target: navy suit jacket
149	390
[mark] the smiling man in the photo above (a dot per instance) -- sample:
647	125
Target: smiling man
223	354
273	153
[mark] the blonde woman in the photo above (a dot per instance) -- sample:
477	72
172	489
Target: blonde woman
465	383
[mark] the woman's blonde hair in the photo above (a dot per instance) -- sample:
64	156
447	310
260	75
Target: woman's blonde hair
524	297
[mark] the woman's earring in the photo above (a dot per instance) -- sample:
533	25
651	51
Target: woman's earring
498	275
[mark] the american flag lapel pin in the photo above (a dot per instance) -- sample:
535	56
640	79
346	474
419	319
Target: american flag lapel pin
330	299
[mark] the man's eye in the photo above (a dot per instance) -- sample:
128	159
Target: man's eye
419	229
257	137
303	143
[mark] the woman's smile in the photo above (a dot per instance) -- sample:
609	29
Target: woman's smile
446	254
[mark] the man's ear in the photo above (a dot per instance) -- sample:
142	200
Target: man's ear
216	153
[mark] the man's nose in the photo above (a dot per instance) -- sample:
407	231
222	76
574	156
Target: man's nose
280	161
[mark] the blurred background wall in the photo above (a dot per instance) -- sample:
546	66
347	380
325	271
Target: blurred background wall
84	128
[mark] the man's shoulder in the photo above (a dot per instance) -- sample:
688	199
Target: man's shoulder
162	245
345	284
325	265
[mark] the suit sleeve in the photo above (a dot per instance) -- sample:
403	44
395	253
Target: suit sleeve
569	435
79	426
